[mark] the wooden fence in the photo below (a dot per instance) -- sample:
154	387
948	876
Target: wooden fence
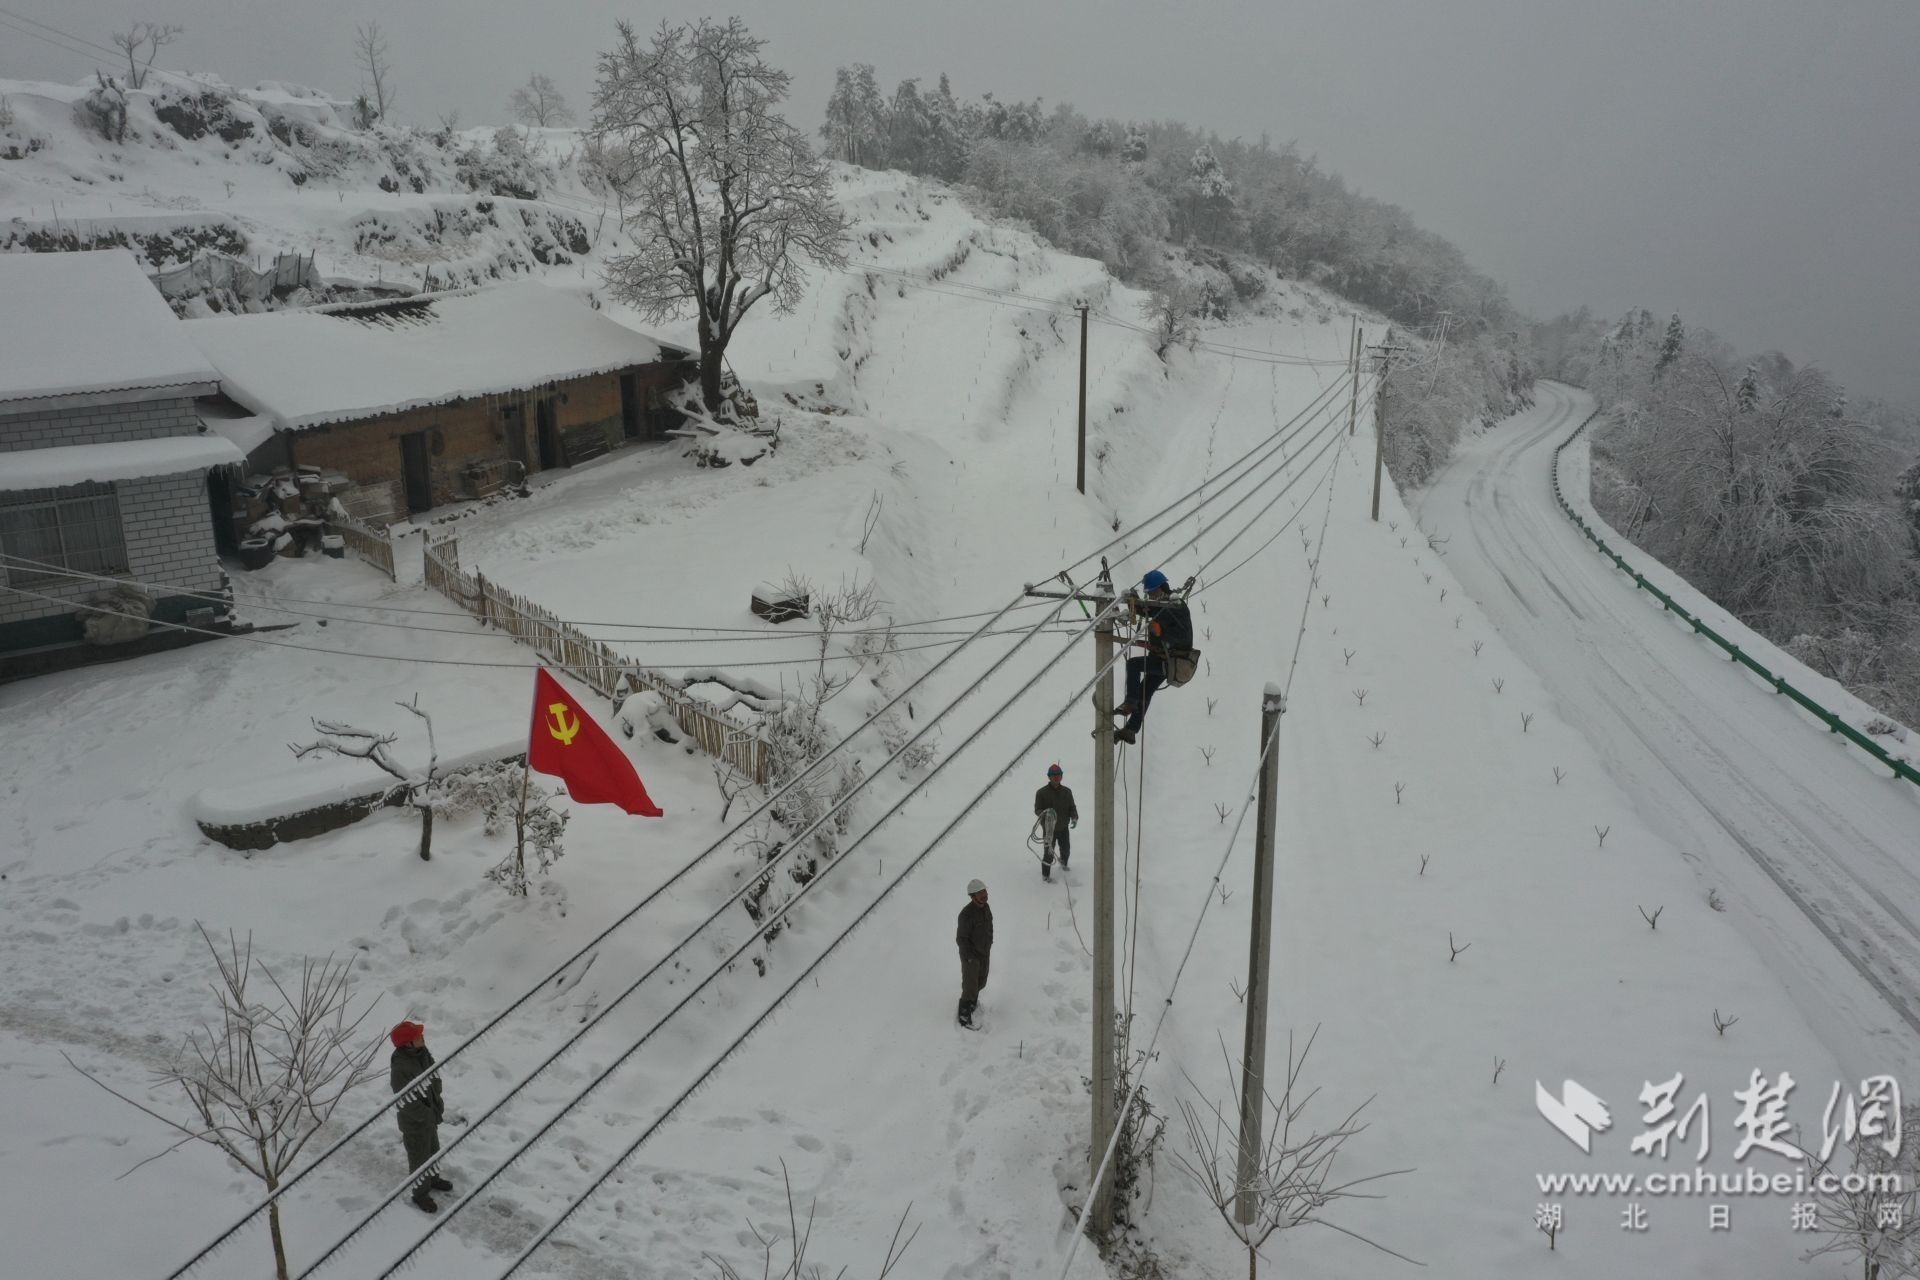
587	659
373	547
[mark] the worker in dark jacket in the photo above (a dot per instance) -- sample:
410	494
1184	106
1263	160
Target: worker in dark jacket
1169	630
420	1114
1056	799
975	936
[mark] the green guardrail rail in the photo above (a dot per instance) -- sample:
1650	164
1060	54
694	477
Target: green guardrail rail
1900	768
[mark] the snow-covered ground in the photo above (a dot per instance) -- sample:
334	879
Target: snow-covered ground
954	411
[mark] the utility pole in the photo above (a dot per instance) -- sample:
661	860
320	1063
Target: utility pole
1353	363
1103	930
1080	468
1385	353
1104	1064
1253	1066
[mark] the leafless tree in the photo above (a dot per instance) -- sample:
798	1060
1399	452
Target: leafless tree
1170	309
150	37
1292	1181
538	102
727	202
267	1077
798	1238
376	73
415	789
1872	1218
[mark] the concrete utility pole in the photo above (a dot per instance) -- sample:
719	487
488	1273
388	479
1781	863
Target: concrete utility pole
1103	929
1384	352
1353	389
1253	1066
1104	1072
1080	468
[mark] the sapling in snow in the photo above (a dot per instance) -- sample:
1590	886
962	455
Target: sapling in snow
1423	862
1349	656
1398	787
1526	721
1499	1065
1377	739
1455	950
793	1247
1292	1183
416	789
1499	684
1477	646
267	1077
1721	1024
1602	833
1223	811
1653	921
1360	696
1558	775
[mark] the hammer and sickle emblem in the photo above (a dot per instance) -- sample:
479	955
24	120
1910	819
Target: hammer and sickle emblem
561	725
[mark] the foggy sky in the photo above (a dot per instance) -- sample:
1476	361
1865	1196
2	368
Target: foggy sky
1751	164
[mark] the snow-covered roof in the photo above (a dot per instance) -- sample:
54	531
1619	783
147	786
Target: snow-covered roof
85	323
336	364
121	460
248	431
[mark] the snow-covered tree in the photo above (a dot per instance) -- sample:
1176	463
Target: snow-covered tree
539	103
728	203
377	90
149	37
1134	149
264	1079
1671	346
1209	193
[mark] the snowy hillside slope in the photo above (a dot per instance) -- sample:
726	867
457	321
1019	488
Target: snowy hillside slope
205	167
954	408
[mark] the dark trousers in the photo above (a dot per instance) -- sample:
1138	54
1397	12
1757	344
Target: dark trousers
973	980
1145	674
1060	842
423	1144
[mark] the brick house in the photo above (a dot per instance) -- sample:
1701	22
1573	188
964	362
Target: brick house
104	461
438	397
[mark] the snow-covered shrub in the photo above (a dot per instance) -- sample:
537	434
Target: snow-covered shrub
503	170
194	110
104	109
118	615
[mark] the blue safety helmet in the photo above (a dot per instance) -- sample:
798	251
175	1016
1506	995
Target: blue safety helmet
1054	771
1154	581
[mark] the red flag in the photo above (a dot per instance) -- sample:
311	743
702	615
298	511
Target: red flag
566	743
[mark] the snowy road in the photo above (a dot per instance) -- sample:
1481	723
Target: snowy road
1814	850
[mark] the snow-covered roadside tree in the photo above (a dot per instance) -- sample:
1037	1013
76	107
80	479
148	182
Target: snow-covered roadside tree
266	1077
726	203
539	103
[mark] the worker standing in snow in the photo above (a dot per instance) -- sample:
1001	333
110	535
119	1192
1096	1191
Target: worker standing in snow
975	936
1056	799
1169	631
420	1114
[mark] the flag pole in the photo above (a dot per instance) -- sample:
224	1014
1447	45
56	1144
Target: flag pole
526	772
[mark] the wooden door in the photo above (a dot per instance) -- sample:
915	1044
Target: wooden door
416	471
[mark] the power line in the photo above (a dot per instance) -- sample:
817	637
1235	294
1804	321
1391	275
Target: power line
434	1071
78	53
65	35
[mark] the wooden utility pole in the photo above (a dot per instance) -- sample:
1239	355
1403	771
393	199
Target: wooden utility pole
1253	1065
1080	467
1385	353
1353	390
1105	1075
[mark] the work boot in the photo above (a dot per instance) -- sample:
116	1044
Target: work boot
425	1203
1124	709
1124	735
440	1184
1046	871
